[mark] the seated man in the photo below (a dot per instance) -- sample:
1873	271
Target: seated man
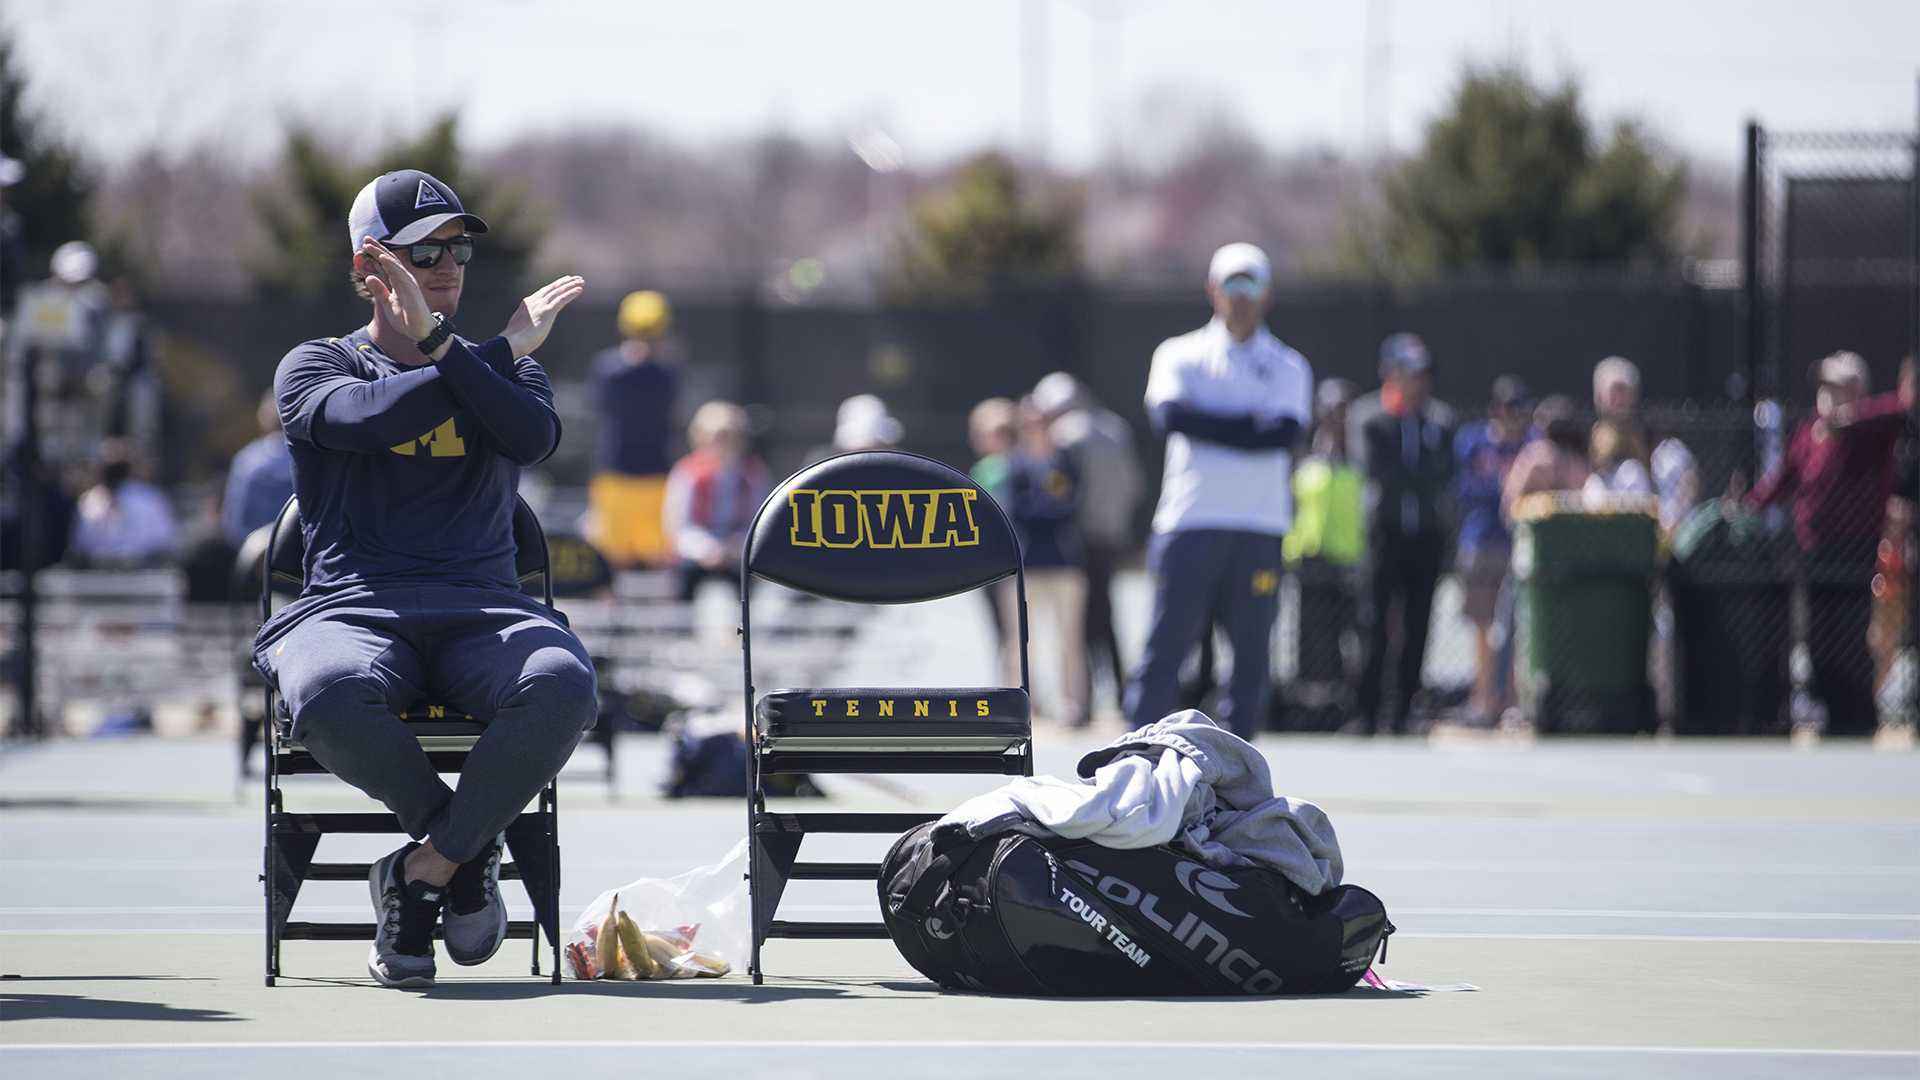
407	444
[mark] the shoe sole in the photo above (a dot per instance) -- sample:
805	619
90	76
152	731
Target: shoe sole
384	979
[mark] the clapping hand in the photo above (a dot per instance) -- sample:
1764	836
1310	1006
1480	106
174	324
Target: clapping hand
534	318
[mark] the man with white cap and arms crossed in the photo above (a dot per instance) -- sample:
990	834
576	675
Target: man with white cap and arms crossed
1231	400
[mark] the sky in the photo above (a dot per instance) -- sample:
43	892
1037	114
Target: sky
1067	81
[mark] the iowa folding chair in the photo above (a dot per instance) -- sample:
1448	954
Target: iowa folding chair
292	839
876	527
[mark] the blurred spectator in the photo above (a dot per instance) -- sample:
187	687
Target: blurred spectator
74	264
260	480
1554	460
122	521
1484	550
1231	400
1838	471
1042	497
1324	549
993	430
125	384
1370	404
13	242
32	487
864	423
1617	458
1894	581
712	495
634	392
1669	467
1409	475
1100	447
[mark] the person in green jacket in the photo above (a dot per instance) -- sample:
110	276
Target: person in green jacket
1325	549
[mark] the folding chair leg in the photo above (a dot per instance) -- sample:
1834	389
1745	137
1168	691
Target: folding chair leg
770	859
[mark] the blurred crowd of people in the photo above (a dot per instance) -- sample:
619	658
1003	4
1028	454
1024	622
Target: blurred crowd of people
1363	499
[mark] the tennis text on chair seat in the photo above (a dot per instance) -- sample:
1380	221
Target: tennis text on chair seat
884	519
854	708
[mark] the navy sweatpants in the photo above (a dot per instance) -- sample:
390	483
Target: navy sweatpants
350	666
1203	577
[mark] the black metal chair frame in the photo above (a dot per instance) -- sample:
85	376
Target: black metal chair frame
774	839
292	839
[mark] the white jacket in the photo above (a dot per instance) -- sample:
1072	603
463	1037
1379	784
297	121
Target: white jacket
1182	780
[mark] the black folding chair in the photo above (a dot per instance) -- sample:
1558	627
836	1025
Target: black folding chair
875	527
577	571
533	840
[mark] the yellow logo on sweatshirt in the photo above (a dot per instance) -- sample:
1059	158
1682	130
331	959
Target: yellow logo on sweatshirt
442	441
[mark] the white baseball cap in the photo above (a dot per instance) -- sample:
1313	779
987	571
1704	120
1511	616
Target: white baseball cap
1841	368
1056	393
74	262
864	421
1240	259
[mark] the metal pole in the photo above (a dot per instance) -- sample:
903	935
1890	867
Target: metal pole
1913	418
1750	217
26	485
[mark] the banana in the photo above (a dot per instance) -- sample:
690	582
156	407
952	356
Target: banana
633	947
608	943
660	949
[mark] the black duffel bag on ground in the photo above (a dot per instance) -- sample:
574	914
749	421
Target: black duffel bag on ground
1068	918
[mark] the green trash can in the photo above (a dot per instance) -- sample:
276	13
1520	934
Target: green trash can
1585	570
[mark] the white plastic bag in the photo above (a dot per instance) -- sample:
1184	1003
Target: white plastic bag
701	913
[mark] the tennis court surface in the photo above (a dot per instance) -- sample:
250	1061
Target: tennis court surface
1642	908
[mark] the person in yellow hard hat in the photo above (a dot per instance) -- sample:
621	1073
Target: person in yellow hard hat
633	394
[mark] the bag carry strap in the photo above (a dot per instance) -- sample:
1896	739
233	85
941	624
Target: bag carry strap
932	867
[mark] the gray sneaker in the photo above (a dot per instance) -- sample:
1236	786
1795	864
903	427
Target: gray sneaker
476	917
402	953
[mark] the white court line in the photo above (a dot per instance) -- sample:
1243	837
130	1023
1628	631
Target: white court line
1403	935
1521	913
873	1044
1602	913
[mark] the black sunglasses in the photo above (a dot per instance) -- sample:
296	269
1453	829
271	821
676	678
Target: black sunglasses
426	253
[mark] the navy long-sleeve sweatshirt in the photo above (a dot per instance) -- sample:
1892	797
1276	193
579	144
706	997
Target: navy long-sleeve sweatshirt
407	475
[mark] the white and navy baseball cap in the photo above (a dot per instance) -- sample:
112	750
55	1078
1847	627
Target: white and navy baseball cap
402	207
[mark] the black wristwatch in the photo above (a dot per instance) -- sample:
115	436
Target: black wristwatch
442	330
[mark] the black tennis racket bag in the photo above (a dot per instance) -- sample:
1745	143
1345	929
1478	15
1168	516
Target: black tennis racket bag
1068	918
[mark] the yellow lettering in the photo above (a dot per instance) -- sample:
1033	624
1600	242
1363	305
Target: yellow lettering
884	519
840	523
436	712
853	709
406	448
886	707
819	706
953	524
896	519
805	505
980	708
920	708
953	707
